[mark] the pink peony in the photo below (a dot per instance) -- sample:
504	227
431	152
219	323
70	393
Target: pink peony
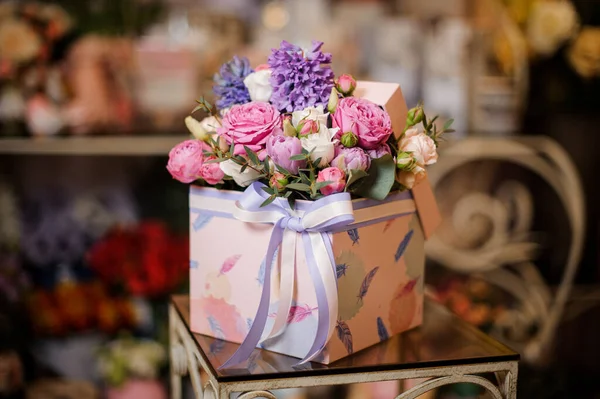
186	160
211	172
250	125
421	146
380	151
365	119
336	176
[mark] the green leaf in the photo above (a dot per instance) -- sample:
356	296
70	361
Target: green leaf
448	124
449	131
305	179
355	175
299	157
252	155
299	187
244	167
216	160
319	185
287	194
198	108
266	165
283	170
317	162
268	190
268	200
231	148
378	183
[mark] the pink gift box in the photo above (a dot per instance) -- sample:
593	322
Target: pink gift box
379	267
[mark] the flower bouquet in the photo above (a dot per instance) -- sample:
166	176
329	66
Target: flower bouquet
332	172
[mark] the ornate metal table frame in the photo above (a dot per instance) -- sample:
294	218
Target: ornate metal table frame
186	358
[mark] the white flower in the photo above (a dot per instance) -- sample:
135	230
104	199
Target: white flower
322	146
202	130
259	86
230	168
422	148
311	113
43	118
410	178
550	24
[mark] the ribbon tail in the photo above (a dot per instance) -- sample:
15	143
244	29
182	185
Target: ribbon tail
260	319
286	287
323	303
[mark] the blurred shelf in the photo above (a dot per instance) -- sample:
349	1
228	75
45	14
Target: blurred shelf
91	145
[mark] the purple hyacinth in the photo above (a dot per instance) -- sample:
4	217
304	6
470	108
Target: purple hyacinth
229	83
300	79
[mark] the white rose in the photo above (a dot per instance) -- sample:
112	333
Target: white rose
410	178
550	24
311	113
230	168
202	130
322	146
422	148
259	86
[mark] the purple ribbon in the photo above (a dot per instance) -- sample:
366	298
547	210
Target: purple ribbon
250	201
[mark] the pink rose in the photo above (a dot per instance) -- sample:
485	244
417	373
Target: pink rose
421	146
365	119
307	127
250	125
186	160
337	178
211	172
345	84
410	178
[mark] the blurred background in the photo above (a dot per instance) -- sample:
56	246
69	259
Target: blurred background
93	233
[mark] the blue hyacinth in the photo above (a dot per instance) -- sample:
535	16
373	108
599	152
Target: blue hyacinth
229	83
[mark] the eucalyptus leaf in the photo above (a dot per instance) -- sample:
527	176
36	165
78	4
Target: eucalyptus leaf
319	185
244	167
299	187
268	200
355	175
268	190
216	160
299	157
252	155
448	124
379	181
283	170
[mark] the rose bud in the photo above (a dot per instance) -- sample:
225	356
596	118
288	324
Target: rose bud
196	128
349	140
414	116
278	181
405	161
288	128
336	176
345	84
307	127
333	100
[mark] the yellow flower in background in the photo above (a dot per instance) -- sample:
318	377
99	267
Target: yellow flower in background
18	41
550	24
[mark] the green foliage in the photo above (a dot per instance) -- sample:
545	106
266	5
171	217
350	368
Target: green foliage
379	181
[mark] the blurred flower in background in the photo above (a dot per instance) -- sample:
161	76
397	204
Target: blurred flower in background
550	25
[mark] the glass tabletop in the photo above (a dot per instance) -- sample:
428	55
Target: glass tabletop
442	340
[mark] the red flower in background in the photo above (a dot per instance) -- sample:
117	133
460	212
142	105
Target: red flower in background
145	260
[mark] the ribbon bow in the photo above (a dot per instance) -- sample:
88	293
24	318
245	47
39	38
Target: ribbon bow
313	226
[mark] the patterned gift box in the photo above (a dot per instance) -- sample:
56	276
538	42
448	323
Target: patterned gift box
379	261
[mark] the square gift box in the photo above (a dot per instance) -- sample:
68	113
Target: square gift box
379	265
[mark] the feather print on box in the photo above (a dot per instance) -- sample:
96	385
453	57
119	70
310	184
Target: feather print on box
381	330
298	313
402	246
353	233
388	224
215	327
201	221
229	263
364	287
340	270
261	271
344	334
